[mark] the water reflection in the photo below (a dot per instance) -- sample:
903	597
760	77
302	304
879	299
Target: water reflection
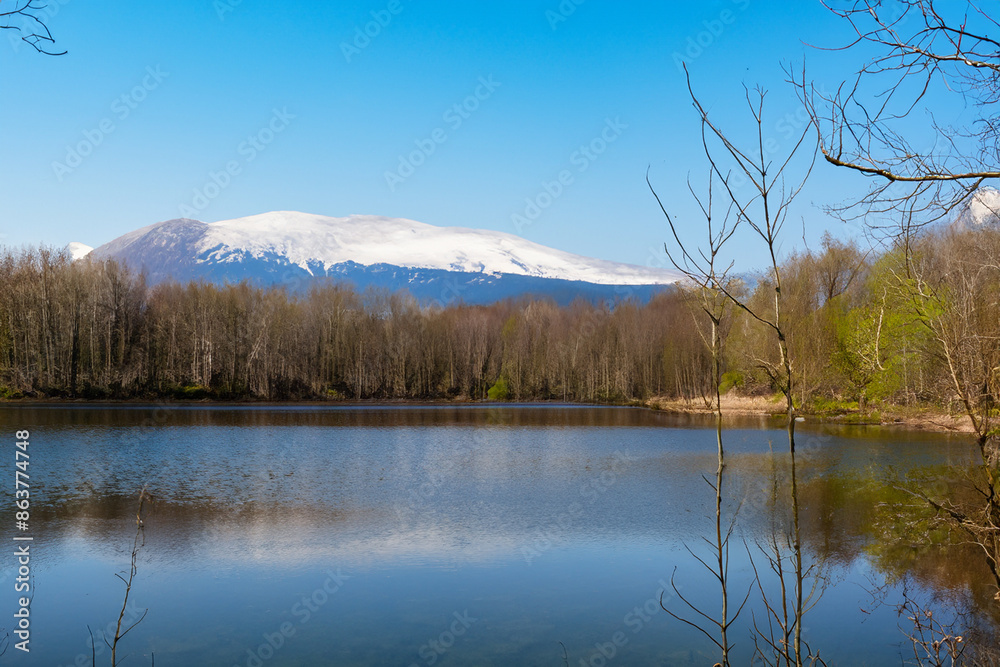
546	523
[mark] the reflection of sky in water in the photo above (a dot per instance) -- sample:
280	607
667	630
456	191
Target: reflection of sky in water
429	512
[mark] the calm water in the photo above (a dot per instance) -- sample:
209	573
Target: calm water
437	535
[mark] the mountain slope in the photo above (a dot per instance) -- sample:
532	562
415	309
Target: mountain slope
289	247
983	207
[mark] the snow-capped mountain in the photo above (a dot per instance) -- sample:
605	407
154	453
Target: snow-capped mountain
78	250
446	263
981	208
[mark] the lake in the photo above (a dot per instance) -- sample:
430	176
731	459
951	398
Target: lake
451	535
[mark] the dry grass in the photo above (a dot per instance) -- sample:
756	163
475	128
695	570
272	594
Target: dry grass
732	404
920	419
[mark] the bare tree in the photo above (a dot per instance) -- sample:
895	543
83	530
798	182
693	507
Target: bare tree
953	289
929	54
754	188
763	203
882	122
27	18
934	641
706	280
778	636
137	544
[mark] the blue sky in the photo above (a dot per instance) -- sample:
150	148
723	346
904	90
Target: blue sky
229	108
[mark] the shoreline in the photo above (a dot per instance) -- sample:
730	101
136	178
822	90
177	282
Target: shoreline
910	418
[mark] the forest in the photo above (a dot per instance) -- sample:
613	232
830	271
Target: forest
862	330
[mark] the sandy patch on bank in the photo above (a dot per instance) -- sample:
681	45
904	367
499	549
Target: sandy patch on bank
922	419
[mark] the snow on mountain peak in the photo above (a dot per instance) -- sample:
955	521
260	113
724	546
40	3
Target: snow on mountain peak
304	239
78	250
984	205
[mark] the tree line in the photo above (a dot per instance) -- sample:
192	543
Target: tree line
95	329
855	329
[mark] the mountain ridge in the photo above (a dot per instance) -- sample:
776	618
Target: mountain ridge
290	247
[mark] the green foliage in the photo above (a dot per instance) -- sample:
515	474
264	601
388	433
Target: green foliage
878	338
499	391
869	417
827	406
7	393
509	328
191	392
731	379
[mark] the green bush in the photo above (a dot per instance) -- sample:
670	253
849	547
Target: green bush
192	392
729	380
8	393
500	391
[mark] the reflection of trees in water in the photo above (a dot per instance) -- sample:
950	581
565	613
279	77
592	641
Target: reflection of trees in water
797	574
945	569
788	572
811	518
936	575
923	561
845	513
717	563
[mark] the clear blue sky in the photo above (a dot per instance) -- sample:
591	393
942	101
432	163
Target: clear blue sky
161	95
